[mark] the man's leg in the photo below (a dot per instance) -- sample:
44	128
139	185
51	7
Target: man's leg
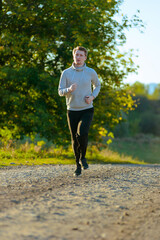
82	136
73	120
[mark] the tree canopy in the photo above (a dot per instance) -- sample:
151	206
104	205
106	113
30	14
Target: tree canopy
36	42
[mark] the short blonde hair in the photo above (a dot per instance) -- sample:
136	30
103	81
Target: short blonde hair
81	49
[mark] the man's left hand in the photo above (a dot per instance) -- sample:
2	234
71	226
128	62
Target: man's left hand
89	99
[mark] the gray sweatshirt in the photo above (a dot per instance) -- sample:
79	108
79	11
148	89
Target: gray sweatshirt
85	78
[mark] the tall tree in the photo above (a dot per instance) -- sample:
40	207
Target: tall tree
36	42
140	89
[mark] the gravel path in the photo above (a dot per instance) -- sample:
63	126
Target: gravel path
111	202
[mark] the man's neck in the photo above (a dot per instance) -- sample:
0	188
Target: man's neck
79	65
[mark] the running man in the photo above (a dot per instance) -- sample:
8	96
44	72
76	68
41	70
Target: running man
76	84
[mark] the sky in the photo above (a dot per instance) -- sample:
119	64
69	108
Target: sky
147	44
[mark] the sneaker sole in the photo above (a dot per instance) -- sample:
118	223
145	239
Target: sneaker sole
85	168
77	175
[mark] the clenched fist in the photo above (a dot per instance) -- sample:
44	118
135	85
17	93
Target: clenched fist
72	88
89	99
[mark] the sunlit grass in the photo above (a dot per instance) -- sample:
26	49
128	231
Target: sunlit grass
144	148
39	154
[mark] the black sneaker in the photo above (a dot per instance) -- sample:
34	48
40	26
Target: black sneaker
78	171
84	163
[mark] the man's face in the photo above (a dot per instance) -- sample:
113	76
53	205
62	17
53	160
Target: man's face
79	58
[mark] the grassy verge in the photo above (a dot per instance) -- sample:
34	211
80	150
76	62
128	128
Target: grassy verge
39	154
143	148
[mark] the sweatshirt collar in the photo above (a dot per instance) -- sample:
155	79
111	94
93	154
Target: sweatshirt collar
79	68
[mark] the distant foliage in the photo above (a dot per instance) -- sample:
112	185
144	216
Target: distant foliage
145	119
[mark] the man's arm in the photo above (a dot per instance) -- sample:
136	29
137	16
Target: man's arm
96	84
96	88
63	90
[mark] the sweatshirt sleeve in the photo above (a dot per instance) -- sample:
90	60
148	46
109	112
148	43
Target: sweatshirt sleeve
96	84
62	89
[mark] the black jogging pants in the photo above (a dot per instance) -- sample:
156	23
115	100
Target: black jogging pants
79	123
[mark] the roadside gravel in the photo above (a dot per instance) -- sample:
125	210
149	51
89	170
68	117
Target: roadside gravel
111	202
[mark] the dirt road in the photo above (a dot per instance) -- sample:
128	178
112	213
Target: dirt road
111	202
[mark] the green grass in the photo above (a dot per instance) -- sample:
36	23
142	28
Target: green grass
37	161
144	148
38	154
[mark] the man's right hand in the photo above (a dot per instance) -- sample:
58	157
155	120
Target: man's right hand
72	88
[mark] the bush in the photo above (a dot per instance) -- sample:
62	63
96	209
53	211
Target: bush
148	124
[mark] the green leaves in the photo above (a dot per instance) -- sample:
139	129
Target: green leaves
36	42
